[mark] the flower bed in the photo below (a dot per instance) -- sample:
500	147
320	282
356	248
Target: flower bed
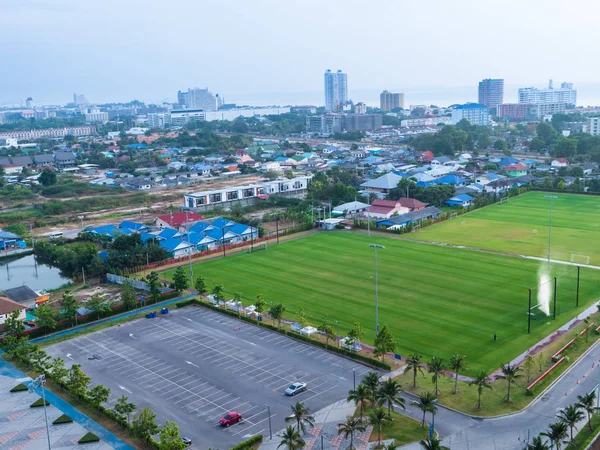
566	346
547	372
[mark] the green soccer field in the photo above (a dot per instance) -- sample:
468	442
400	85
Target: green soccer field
437	300
521	226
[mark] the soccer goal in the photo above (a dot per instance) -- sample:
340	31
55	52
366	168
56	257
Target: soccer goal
453	215
257	247
580	259
416	228
504	200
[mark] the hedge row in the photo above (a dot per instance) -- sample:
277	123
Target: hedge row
249	443
299	337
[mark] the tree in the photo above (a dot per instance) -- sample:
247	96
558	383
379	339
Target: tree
200	285
218	293
384	342
260	303
40	360
78	381
98	395
436	369
426	403
432	443
457	363
170	439
389	393
128	296
546	132
123	408
570	416
351	426
58	371
180	280
98	304
359	396
301	315
144	424
272	174
70	306
378	419
154	286
45	317
13	324
537	444
276	313
528	366
587	403
481	381
511	375
47	177
301	415
355	334
414	363
327	329
371	381
557	433
501	145
14	345
291	439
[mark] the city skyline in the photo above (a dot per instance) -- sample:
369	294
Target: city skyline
86	64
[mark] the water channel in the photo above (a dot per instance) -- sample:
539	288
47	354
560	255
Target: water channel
25	270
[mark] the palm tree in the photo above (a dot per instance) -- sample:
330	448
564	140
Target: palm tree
537	444
436	368
359	395
389	393
586	402
571	415
390	446
510	374
291	439
301	415
481	381
457	363
371	381
349	427
432	443
557	433
414	363
378	418
425	403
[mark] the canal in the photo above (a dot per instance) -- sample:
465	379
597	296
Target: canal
25	270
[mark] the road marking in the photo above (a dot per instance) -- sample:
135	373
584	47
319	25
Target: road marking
125	389
69	356
131	336
189	320
251	343
341	378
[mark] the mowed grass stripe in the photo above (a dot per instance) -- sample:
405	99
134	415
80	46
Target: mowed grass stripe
437	300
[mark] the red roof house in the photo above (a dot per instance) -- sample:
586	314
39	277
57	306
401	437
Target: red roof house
177	220
384	209
411	203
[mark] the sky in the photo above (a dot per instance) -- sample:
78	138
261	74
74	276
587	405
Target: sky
276	51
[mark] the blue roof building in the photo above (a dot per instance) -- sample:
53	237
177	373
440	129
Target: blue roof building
134	226
461	201
453	180
508	161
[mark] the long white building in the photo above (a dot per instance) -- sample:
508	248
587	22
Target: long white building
182	116
201	99
49	133
564	95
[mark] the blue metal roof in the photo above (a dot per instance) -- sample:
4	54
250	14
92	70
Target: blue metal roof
134	226
450	179
471	106
168	233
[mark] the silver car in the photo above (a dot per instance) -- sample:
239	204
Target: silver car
295	388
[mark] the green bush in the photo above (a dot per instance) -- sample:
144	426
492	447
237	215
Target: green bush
62	419
89	437
249	443
185	302
19	388
39	402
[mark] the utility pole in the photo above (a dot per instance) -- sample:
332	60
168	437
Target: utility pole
375	247
41	382
269	413
187	227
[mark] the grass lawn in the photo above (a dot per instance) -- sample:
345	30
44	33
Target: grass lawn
437	300
403	430
521	226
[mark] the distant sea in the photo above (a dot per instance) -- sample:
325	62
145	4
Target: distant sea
588	94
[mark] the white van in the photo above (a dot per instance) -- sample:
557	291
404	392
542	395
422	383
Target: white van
56	235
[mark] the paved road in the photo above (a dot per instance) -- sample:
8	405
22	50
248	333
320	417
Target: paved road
460	432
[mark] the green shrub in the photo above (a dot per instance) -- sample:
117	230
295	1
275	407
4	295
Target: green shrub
39	402
62	419
185	302
89	437
249	443
19	388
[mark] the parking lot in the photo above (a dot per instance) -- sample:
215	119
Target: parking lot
194	365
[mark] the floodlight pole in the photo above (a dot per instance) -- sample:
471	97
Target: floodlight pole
277	225
554	297
223	240
375	247
269	413
187	225
41	382
577	295
529	314
551	197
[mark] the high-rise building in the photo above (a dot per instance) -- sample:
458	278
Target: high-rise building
491	92
326	124
474	112
564	95
362	122
94	115
360	108
517	111
182	98
336	90
391	100
593	126
79	99
159	120
204	99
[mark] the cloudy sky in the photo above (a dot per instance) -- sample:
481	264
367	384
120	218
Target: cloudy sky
277	50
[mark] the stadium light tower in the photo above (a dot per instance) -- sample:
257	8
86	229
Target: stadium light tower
551	197
375	247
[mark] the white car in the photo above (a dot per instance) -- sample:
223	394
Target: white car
295	388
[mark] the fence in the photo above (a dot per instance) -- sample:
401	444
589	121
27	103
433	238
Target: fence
118	279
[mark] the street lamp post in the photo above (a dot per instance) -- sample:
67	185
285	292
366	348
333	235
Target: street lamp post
375	247
269	413
354	378
551	197
187	225
40	382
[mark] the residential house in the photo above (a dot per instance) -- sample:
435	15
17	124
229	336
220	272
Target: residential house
412	217
25	161
504	162
177	248
65	159
425	157
135	227
412	203
453	180
177	220
23	295
43	160
383	184
516	170
384	209
559	162
462	201
351	208
139	183
12	169
7	306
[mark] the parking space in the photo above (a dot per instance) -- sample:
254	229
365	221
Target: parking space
194	365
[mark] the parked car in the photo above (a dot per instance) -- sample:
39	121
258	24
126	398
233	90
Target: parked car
230	418
186	441
295	388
